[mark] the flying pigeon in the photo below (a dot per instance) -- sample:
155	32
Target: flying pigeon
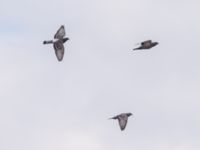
146	45
122	119
58	42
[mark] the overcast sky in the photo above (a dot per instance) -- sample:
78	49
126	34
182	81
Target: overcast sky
51	105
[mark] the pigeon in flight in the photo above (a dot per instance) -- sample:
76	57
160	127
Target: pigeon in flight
58	41
146	45
122	119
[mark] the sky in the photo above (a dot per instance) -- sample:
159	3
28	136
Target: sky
51	105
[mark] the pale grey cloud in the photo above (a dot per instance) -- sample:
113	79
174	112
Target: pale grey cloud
50	105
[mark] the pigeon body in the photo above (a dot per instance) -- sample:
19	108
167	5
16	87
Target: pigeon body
146	45
122	119
58	43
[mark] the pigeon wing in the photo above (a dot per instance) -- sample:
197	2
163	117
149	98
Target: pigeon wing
122	122
115	117
146	42
59	50
60	33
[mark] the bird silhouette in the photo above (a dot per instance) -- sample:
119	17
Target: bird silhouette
122	119
58	41
146	45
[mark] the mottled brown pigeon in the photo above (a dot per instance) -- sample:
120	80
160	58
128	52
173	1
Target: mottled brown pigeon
122	119
58	43
146	45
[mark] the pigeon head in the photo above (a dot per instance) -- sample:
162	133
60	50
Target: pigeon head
65	39
155	43
129	114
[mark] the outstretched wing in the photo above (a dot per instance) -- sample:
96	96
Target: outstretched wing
122	121
59	49
60	33
115	117
146	42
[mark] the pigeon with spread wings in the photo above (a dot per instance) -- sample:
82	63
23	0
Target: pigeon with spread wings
59	39
122	119
146	45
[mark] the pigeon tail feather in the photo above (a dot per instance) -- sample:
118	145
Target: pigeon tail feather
48	42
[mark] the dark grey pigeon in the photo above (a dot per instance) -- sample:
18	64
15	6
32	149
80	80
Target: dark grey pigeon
146	45
122	119
58	43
